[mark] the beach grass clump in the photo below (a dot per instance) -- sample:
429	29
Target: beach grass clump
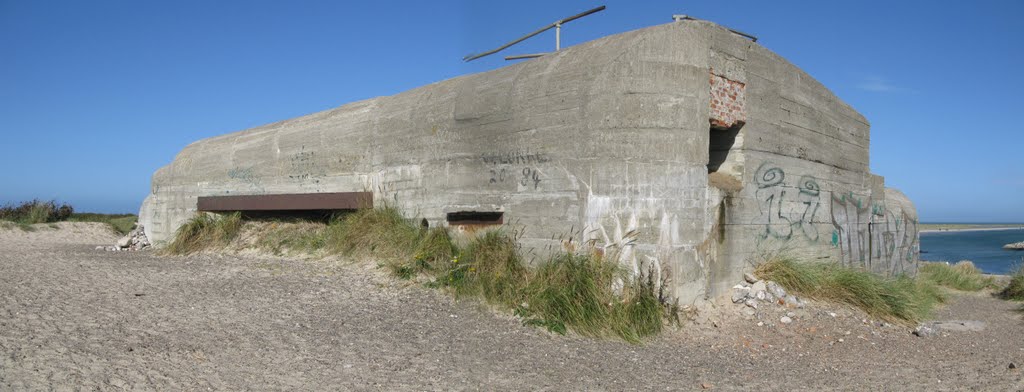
204	231
1015	289
435	249
963	276
900	299
381	232
577	291
490	267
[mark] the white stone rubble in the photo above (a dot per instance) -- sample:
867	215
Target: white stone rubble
134	240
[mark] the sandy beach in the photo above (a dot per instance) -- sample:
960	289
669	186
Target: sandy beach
73	317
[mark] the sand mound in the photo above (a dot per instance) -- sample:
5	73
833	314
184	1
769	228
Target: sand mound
68	233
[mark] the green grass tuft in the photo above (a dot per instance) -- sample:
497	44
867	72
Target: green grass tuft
576	291
490	267
205	231
381	232
963	276
900	299
435	249
1015	289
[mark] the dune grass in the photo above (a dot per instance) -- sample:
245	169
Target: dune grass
434	250
899	299
35	211
1014	291
578	291
490	268
205	231
121	223
963	276
381	232
26	214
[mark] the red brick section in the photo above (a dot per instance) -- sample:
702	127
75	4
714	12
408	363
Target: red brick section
728	100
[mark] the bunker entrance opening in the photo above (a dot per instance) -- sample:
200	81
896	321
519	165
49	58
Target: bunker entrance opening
475	218
720	142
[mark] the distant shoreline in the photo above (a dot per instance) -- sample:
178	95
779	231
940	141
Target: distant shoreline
945	230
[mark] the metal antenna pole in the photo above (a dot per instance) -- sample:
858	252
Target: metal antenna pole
557	25
558	36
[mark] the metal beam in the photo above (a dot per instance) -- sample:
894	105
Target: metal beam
524	56
679	18
287	202
558	24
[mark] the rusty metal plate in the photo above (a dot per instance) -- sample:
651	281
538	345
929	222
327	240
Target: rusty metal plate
287	202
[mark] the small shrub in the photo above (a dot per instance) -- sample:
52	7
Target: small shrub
963	276
898	299
205	231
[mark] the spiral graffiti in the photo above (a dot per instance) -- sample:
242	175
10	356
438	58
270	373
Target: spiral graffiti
769	176
809	186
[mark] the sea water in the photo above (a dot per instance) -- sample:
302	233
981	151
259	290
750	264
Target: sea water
983	247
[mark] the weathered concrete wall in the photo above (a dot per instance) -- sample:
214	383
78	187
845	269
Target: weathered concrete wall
607	142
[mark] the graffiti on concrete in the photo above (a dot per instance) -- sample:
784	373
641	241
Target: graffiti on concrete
873	237
851	217
519	166
516	157
302	167
783	217
246	176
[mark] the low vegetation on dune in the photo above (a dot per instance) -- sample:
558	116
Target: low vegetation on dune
582	291
32	212
899	299
205	231
1015	289
963	276
35	211
579	291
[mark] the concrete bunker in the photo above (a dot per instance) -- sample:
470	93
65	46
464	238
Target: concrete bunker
614	142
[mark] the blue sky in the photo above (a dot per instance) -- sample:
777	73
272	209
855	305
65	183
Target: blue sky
95	96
